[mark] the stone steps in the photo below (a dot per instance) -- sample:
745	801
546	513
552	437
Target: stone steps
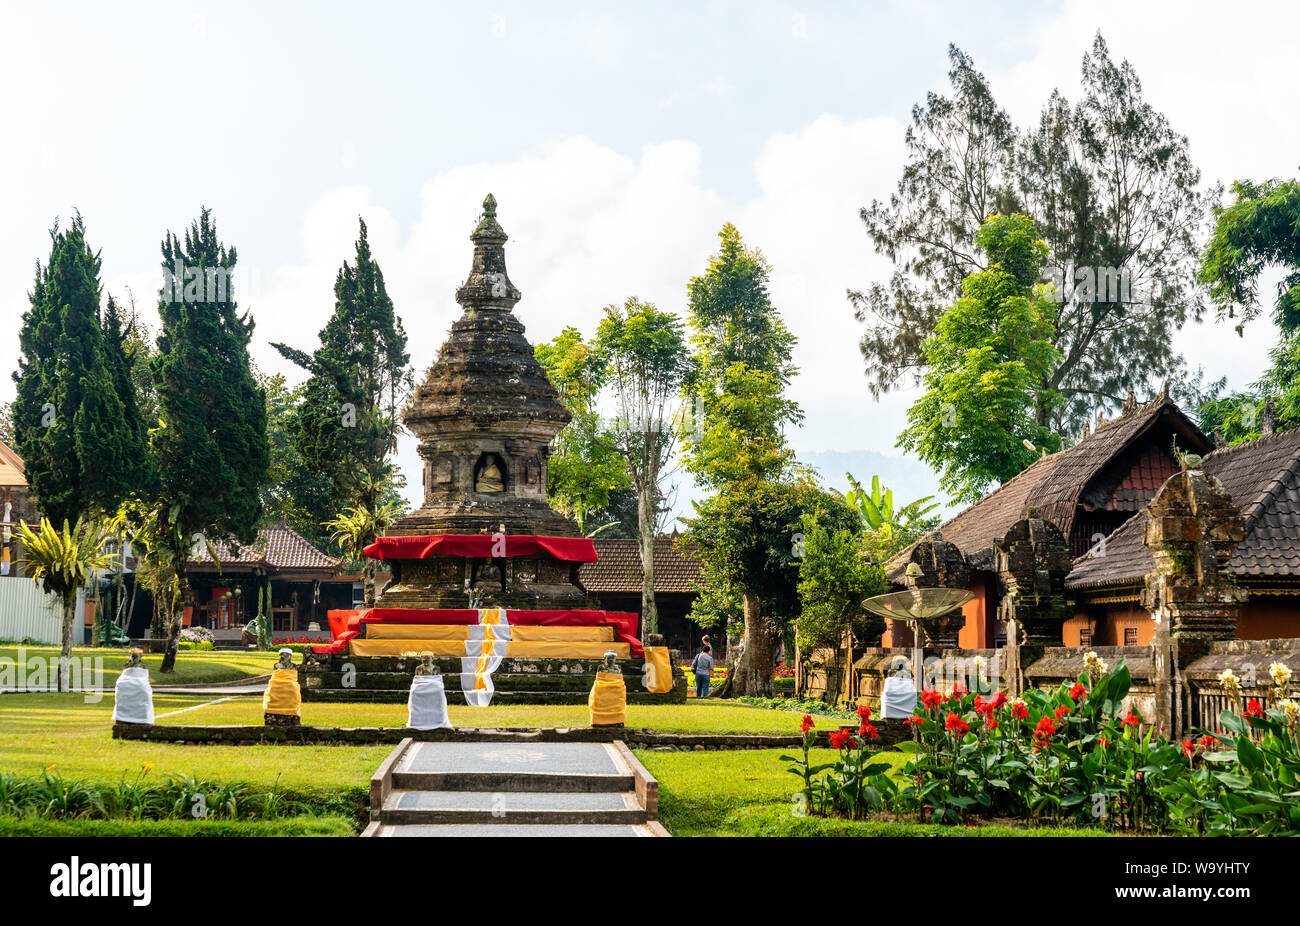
512	807
490	787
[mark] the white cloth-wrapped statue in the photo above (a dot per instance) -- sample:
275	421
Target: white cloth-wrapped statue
132	695
427	703
898	699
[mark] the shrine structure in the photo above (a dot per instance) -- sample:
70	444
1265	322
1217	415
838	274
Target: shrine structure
485	574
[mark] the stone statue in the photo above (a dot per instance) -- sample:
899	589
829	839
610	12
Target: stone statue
133	660
610	664
426	666
489	478
286	659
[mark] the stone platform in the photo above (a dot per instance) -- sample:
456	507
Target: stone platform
518	680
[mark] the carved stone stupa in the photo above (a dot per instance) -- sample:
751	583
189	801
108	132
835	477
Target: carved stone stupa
485	416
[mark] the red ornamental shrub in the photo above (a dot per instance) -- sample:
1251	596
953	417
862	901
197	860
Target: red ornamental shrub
1078	691
955	724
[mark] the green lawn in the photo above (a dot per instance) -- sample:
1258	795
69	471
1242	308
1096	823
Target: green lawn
751	793
667	718
192	666
40	730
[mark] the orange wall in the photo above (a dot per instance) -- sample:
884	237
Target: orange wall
977	633
1268	618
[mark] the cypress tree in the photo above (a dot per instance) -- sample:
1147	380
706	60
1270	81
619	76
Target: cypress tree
76	421
211	450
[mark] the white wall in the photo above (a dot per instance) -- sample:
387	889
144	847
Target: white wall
28	613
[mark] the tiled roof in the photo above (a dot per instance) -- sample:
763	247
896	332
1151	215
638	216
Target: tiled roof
1053	484
619	567
1262	478
278	549
11	467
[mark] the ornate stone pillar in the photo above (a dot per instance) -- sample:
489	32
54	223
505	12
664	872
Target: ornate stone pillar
942	565
1032	561
1192	529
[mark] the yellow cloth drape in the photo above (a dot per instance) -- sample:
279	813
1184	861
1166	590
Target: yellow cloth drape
282	694
659	670
608	699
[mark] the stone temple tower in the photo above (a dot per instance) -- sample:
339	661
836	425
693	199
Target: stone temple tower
485	416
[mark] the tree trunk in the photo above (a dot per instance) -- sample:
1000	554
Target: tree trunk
753	673
176	611
368	582
65	649
645	535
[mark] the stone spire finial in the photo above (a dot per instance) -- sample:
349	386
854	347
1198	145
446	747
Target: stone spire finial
1268	420
1219	442
488	286
1130	403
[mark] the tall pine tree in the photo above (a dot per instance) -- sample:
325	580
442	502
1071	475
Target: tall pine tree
77	424
211	449
347	424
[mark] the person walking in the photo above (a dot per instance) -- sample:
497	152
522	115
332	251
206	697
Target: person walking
703	669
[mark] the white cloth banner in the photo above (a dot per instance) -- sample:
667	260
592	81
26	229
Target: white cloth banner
485	647
427	704
898	699
133	697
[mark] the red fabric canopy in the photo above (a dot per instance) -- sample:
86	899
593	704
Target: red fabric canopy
569	549
623	622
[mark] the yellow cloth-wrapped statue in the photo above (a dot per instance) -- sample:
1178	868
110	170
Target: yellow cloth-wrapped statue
658	677
608	698
283	696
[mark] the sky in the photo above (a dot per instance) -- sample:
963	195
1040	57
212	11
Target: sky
617	139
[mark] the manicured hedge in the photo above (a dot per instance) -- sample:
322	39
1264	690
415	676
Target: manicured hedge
285	826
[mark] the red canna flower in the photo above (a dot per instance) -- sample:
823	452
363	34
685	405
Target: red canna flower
864	712
1254	709
1207	742
1188	747
931	698
868	731
1062	711
1103	741
915	720
989	722
842	739
1132	720
1019	710
955	724
998	701
806	724
959	691
980	704
1078	691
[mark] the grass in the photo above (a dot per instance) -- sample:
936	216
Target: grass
333	825
192	666
667	718
40	730
751	793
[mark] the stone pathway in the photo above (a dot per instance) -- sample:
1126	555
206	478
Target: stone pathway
511	789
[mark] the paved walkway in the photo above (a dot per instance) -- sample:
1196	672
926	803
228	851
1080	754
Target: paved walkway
512	789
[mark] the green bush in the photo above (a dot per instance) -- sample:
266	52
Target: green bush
798	705
333	825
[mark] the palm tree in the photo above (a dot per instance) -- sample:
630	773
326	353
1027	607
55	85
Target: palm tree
64	561
355	528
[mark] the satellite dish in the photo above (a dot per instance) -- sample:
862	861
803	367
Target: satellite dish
916	606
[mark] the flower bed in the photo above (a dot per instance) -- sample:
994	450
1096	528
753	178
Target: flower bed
1073	755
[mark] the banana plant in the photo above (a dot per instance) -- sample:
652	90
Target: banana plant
876	510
